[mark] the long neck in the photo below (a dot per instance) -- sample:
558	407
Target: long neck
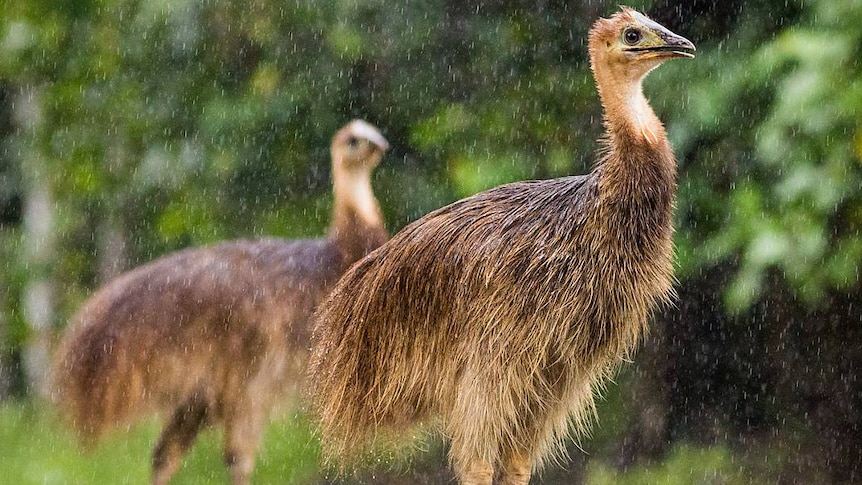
638	160
357	224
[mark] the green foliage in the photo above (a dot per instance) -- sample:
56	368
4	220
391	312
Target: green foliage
772	168
192	122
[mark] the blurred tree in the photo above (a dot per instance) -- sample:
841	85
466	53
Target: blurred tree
778	140
39	238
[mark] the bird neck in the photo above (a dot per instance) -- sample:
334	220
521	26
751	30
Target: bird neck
627	111
638	158
357	222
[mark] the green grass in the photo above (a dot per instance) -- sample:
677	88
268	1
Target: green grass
36	449
691	464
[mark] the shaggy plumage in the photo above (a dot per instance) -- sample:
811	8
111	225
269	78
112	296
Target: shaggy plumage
214	335
499	315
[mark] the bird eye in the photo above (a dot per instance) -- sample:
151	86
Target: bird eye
353	142
632	36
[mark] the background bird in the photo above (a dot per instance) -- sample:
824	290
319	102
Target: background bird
214	335
500	314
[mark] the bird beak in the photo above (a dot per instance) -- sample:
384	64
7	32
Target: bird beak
362	129
662	43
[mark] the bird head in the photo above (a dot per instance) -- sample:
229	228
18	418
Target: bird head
631	44
358	146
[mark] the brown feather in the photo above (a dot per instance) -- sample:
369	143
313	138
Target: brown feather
501	314
213	334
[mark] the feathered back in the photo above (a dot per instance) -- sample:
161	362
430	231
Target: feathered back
501	277
502	313
228	324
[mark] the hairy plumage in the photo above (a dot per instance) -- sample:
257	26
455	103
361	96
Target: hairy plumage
215	334
499	315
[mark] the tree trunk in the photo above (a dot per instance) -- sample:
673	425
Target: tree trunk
111	235
38	305
111	250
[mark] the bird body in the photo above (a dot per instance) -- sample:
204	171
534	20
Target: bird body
215	334
501	314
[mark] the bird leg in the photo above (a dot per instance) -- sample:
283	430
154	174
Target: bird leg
242	435
476	473
516	470
177	437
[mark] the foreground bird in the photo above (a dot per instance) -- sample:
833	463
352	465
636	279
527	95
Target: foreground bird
499	315
213	335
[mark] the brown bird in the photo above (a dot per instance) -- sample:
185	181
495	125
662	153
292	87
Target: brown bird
214	335
499	315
